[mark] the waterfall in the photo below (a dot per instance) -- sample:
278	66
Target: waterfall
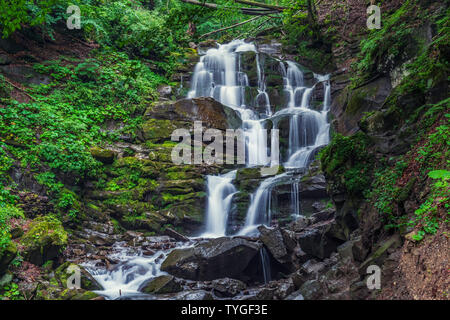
219	74
259	210
126	278
265	263
295	201
220	194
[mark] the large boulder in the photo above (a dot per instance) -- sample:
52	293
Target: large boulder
46	291
103	155
64	271
214	259
319	239
44	240
212	113
274	242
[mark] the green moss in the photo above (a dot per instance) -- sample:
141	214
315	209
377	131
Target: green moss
347	163
45	230
103	155
7	255
45	239
358	98
157	130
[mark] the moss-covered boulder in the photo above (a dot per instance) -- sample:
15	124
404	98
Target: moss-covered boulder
7	255
103	155
47	291
44	240
63	272
158	130
161	284
351	104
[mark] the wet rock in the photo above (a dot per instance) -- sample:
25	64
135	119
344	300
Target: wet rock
301	256
317	239
274	242
284	288
297	295
194	295
148	253
321	216
311	290
359	290
299	277
289	240
204	46
165	91
176	235
160	285
216	258
300	224
227	287
266	294
350	105
313	186
64	271
312	267
318	206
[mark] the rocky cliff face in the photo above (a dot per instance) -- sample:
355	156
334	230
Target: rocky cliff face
387	114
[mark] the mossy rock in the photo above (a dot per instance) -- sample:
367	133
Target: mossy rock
7	255
46	291
157	130
62	274
145	221
103	155
129	162
248	173
45	240
160	285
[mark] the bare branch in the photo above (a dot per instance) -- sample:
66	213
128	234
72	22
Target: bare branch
230	27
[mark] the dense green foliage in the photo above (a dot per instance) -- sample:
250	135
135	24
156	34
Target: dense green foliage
347	160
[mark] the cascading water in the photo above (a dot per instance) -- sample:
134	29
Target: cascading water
218	74
132	270
220	194
295	201
265	263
